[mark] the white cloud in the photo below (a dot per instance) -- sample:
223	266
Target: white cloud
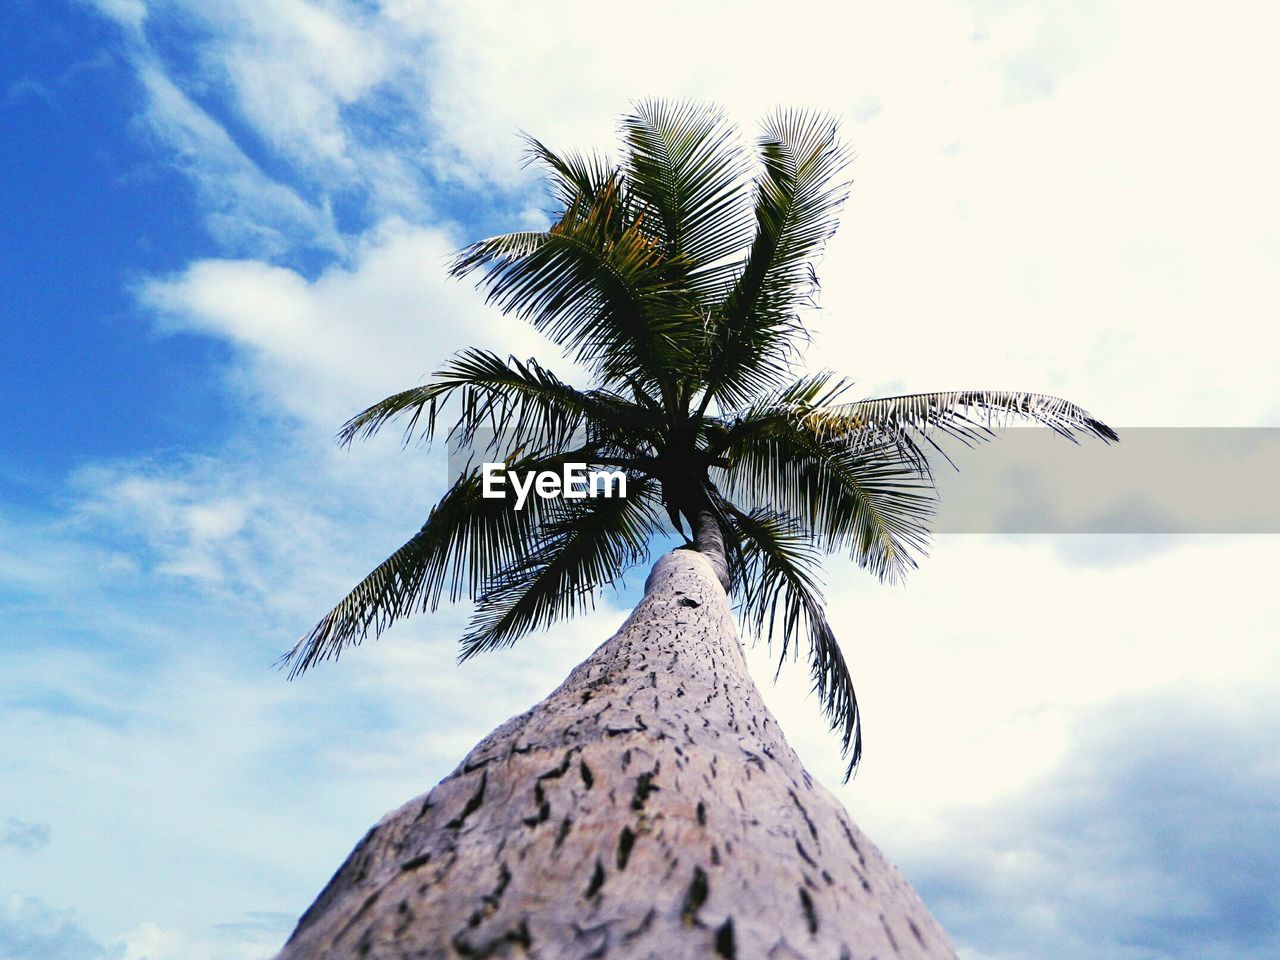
187	531
1151	839
963	716
245	208
324	349
1050	195
130	14
973	676
150	941
1049	192
21	835
1103	244
148	674
32	930
293	67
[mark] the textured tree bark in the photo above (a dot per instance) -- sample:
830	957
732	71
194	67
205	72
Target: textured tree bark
648	808
709	540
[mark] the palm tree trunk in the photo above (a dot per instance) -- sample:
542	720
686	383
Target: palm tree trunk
709	540
648	808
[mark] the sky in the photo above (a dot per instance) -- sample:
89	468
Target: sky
222	232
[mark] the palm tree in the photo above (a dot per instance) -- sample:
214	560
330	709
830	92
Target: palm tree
676	277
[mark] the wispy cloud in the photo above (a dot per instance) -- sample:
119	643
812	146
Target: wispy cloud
21	835
322	349
245	208
1153	838
31	930
306	125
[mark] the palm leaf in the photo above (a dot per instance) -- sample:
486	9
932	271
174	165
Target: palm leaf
685	163
864	498
777	581
467	541
797	200
595	284
972	415
590	545
677	277
524	404
575	177
969	416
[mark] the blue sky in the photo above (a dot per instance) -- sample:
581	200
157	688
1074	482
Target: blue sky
83	212
224	229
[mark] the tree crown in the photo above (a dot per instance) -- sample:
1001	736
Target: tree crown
676	276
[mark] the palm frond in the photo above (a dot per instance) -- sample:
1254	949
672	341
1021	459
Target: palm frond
524	404
467	540
972	415
796	205
969	416
685	163
864	498
588	546
575	177
804	397
677	275
778	589
595	284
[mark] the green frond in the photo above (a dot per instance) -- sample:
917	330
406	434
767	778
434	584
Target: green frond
467	540
522	402
862	498
590	545
912	421
595	284
972	415
575	177
797	201
779	596
684	161
677	276
802	397
813	403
